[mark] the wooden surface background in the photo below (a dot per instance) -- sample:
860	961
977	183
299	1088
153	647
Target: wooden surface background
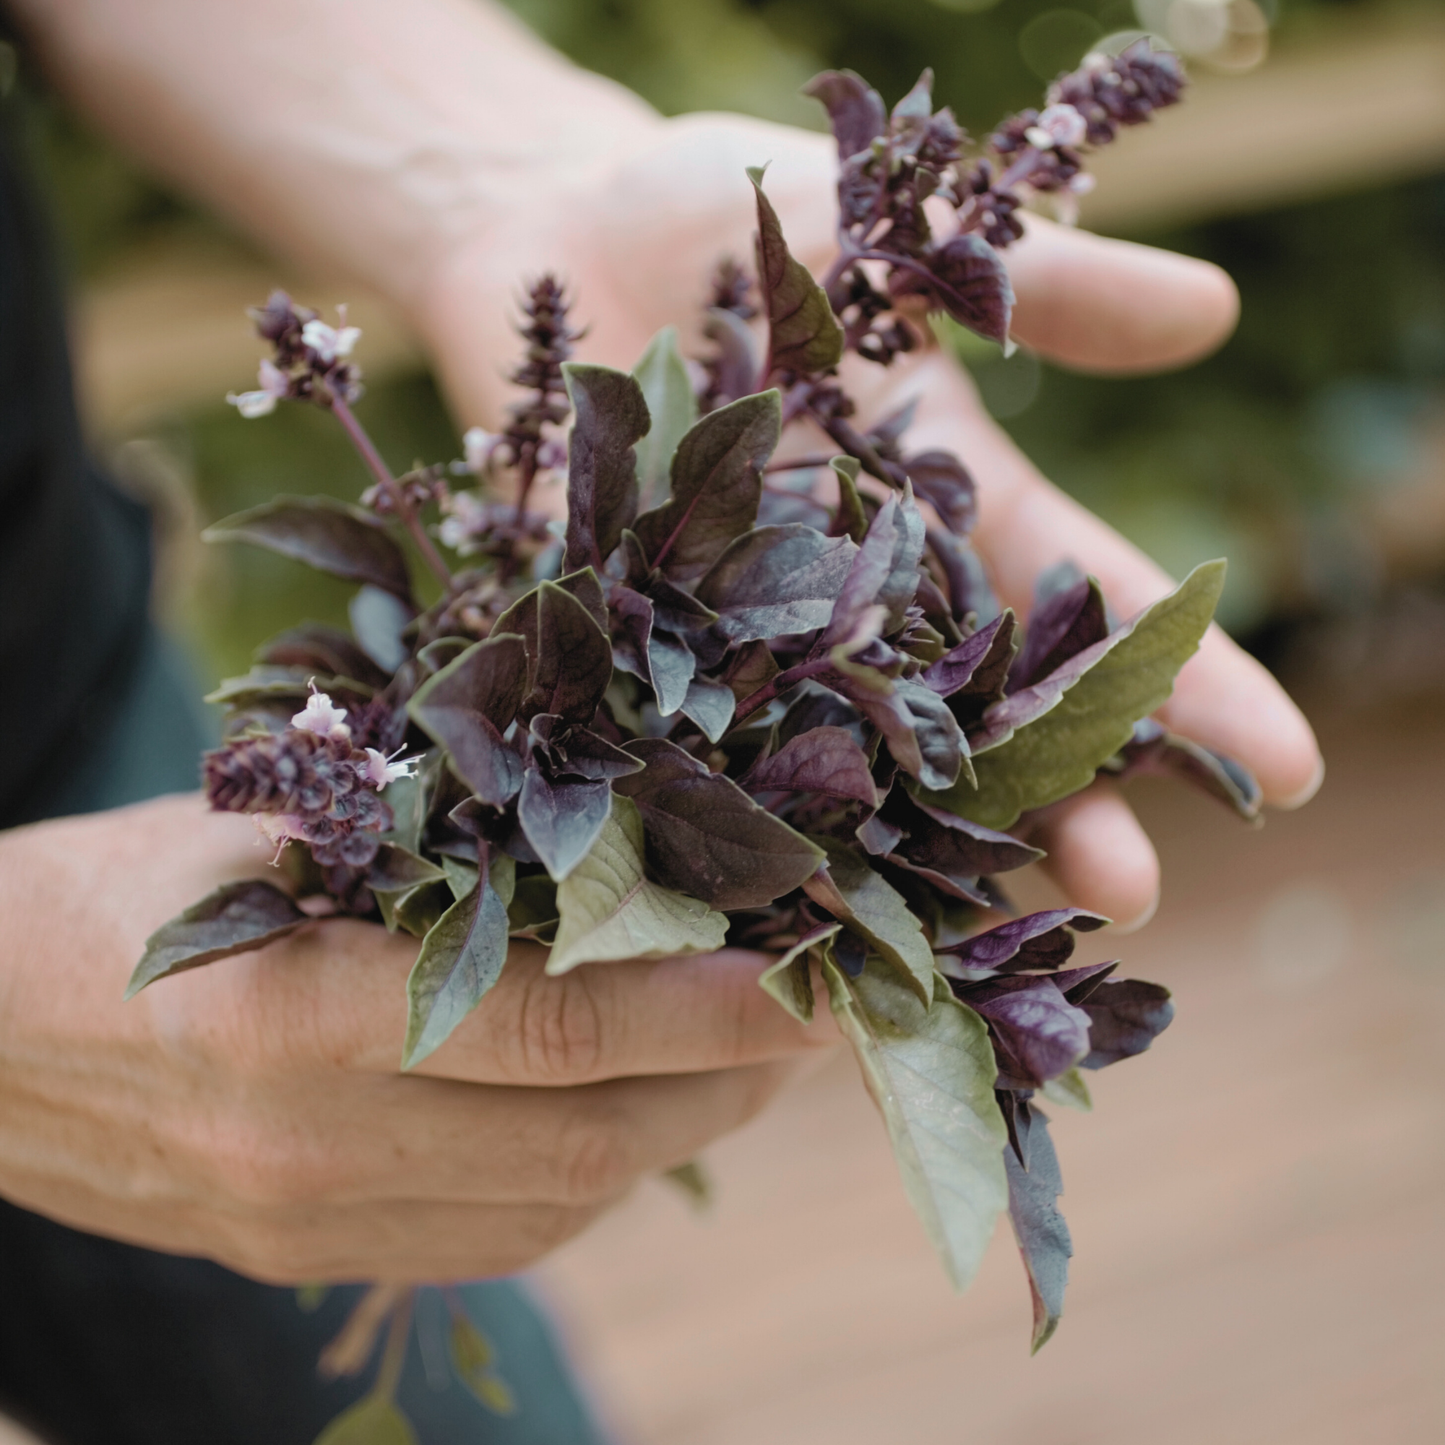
1258	1205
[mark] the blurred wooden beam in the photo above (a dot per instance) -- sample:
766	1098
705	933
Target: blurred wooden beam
166	328
1352	107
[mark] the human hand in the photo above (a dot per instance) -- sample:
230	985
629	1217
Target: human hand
252	1111
637	232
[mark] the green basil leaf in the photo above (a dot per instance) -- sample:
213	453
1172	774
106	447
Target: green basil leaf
460	959
931	1071
610	910
1082	715
235	918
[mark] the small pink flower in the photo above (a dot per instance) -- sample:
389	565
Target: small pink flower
382	770
321	716
466	520
1059	125
330	342
279	829
274	386
478	445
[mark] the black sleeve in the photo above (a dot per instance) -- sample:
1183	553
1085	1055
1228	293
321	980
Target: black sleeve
74	553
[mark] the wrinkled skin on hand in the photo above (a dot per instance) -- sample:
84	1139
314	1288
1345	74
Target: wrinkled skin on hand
254	1113
635	228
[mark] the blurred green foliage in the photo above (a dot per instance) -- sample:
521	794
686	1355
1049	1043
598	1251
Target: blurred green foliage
1258	453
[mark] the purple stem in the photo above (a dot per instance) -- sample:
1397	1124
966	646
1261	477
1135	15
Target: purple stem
388	483
781	683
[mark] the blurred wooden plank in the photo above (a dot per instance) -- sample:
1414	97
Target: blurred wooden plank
166	328
1355	107
1256	1206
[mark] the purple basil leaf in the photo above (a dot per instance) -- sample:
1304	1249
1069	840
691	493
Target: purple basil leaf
1155	752
572	663
918	727
984	656
578	752
851	952
901	584
1019	1116
639	647
707	838
870	570
234	918
917	105
815	707
611	418
851	518
378	622
1060	627
950	885
855	110
1076	984
1124	1019
561	818
672	665
934	840
803	334
970	282
1037	1033
315	648
941	480
324	533
968	589
632	618
886	434
585	587
752	666
461	958
774	581
825	761
395	869
994	852
521	616
717	479
737	356
468	705
676	610
710	705
1038	940
1042	1235
878	836
1001	720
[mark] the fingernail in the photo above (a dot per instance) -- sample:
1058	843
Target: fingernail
1299	799
1135	924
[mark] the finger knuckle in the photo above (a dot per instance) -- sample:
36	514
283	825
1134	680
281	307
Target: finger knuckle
561	1032
598	1159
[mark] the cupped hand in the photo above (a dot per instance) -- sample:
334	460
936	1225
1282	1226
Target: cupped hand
637	231
252	1110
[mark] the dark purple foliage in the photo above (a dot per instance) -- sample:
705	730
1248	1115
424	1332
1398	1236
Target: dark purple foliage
781	685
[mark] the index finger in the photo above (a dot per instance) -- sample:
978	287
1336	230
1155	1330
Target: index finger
605	1021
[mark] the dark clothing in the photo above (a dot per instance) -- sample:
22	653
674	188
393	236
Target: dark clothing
74	554
102	1343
